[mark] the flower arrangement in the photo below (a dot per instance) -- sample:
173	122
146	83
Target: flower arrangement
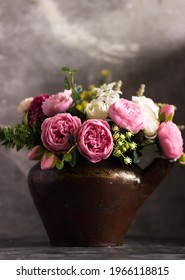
97	124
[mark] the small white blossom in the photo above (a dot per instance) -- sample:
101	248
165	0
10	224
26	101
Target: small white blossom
106	87
133	146
151	112
129	134
127	160
24	105
105	95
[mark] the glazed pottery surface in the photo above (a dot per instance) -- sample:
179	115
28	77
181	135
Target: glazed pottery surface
92	204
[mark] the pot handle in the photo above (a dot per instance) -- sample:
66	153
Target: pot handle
155	172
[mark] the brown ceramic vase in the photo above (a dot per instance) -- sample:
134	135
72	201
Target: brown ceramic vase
92	204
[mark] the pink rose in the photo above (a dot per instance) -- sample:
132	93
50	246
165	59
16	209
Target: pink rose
48	161
127	114
94	140
58	103
170	139
56	130
35	153
166	113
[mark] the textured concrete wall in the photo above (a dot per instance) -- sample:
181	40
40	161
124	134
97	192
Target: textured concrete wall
138	41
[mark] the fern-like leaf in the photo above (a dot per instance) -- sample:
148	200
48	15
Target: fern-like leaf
19	136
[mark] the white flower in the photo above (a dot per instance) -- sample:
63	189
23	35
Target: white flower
97	109
105	95
109	99
151	112
106	87
24	105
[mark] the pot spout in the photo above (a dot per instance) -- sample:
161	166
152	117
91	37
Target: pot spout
154	173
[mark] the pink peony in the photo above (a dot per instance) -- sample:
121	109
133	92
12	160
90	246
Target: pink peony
94	140
35	114
166	113
58	103
170	139
56	130
127	114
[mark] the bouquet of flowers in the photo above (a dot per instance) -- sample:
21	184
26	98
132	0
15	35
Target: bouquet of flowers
97	123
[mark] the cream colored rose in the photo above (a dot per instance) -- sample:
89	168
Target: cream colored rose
97	109
105	95
24	105
151	113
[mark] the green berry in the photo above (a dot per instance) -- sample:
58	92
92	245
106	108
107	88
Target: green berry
123	149
116	136
120	143
127	145
117	153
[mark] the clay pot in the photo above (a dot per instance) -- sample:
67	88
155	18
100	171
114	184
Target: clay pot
92	204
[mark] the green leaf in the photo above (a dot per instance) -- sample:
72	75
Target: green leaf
67	83
181	160
74	71
136	156
25	120
170	117
65	69
19	136
73	160
72	139
79	101
74	95
59	164
78	89
162	117
67	157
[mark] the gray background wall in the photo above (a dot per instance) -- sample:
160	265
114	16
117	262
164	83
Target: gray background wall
137	40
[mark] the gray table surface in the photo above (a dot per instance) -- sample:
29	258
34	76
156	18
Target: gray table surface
132	248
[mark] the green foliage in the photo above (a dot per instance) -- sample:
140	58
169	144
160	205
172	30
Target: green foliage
69	156
67	83
59	164
72	139
19	136
25	119
70	84
76	93
128	146
65	70
73	159
124	146
136	156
